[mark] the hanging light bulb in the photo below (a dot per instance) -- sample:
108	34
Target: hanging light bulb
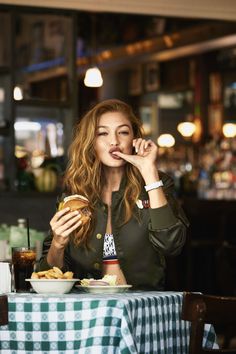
93	77
186	129
166	140
229	130
18	93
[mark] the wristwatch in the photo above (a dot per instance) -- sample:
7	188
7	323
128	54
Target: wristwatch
153	185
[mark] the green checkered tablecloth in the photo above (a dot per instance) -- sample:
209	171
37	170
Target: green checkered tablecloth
128	323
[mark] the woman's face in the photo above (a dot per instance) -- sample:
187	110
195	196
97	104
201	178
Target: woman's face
114	133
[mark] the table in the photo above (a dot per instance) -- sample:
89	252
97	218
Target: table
126	323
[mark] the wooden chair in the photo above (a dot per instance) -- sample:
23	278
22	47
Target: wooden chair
3	310
200	309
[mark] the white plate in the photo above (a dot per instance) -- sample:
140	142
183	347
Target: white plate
52	286
104	289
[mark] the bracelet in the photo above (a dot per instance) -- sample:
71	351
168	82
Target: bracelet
153	185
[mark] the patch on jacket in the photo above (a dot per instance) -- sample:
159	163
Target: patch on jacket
143	204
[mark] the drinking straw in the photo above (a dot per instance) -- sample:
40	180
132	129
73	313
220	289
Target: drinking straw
28	232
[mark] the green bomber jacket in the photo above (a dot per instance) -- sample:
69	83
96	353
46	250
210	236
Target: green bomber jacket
141	244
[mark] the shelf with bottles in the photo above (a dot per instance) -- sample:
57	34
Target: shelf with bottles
217	177
230	99
209	172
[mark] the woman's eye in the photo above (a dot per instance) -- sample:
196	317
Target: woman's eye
102	133
124	132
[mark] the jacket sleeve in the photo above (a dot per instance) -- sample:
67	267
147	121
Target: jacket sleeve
168	224
43	264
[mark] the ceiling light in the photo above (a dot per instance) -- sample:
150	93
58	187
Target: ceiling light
229	130
18	93
93	78
166	140
186	129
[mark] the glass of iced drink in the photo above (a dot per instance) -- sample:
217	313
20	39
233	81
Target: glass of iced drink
23	260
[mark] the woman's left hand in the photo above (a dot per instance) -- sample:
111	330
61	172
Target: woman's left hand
145	155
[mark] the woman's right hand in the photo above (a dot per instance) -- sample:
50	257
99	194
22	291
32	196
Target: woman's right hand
63	224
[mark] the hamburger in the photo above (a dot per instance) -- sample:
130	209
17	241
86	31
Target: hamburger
80	203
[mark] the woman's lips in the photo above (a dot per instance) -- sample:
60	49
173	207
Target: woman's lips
111	152
115	157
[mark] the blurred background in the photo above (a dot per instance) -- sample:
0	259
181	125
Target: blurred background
174	63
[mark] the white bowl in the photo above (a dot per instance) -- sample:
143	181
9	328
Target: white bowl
52	286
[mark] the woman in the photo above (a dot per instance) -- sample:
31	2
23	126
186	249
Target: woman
135	218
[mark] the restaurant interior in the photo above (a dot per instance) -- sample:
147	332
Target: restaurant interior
175	67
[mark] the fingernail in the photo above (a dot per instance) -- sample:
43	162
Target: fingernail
136	150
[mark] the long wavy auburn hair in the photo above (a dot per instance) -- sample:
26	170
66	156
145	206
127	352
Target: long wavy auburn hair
84	173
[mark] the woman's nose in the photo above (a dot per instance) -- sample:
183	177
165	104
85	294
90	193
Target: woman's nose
114	141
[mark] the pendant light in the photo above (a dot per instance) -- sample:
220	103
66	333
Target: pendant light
166	140
229	130
93	76
186	129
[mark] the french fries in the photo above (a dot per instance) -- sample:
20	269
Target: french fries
53	273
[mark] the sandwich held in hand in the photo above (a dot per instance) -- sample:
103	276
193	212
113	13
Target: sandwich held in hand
81	204
77	202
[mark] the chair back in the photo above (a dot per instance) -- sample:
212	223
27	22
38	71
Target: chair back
200	309
3	310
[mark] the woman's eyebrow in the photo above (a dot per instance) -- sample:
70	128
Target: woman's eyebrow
119	126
